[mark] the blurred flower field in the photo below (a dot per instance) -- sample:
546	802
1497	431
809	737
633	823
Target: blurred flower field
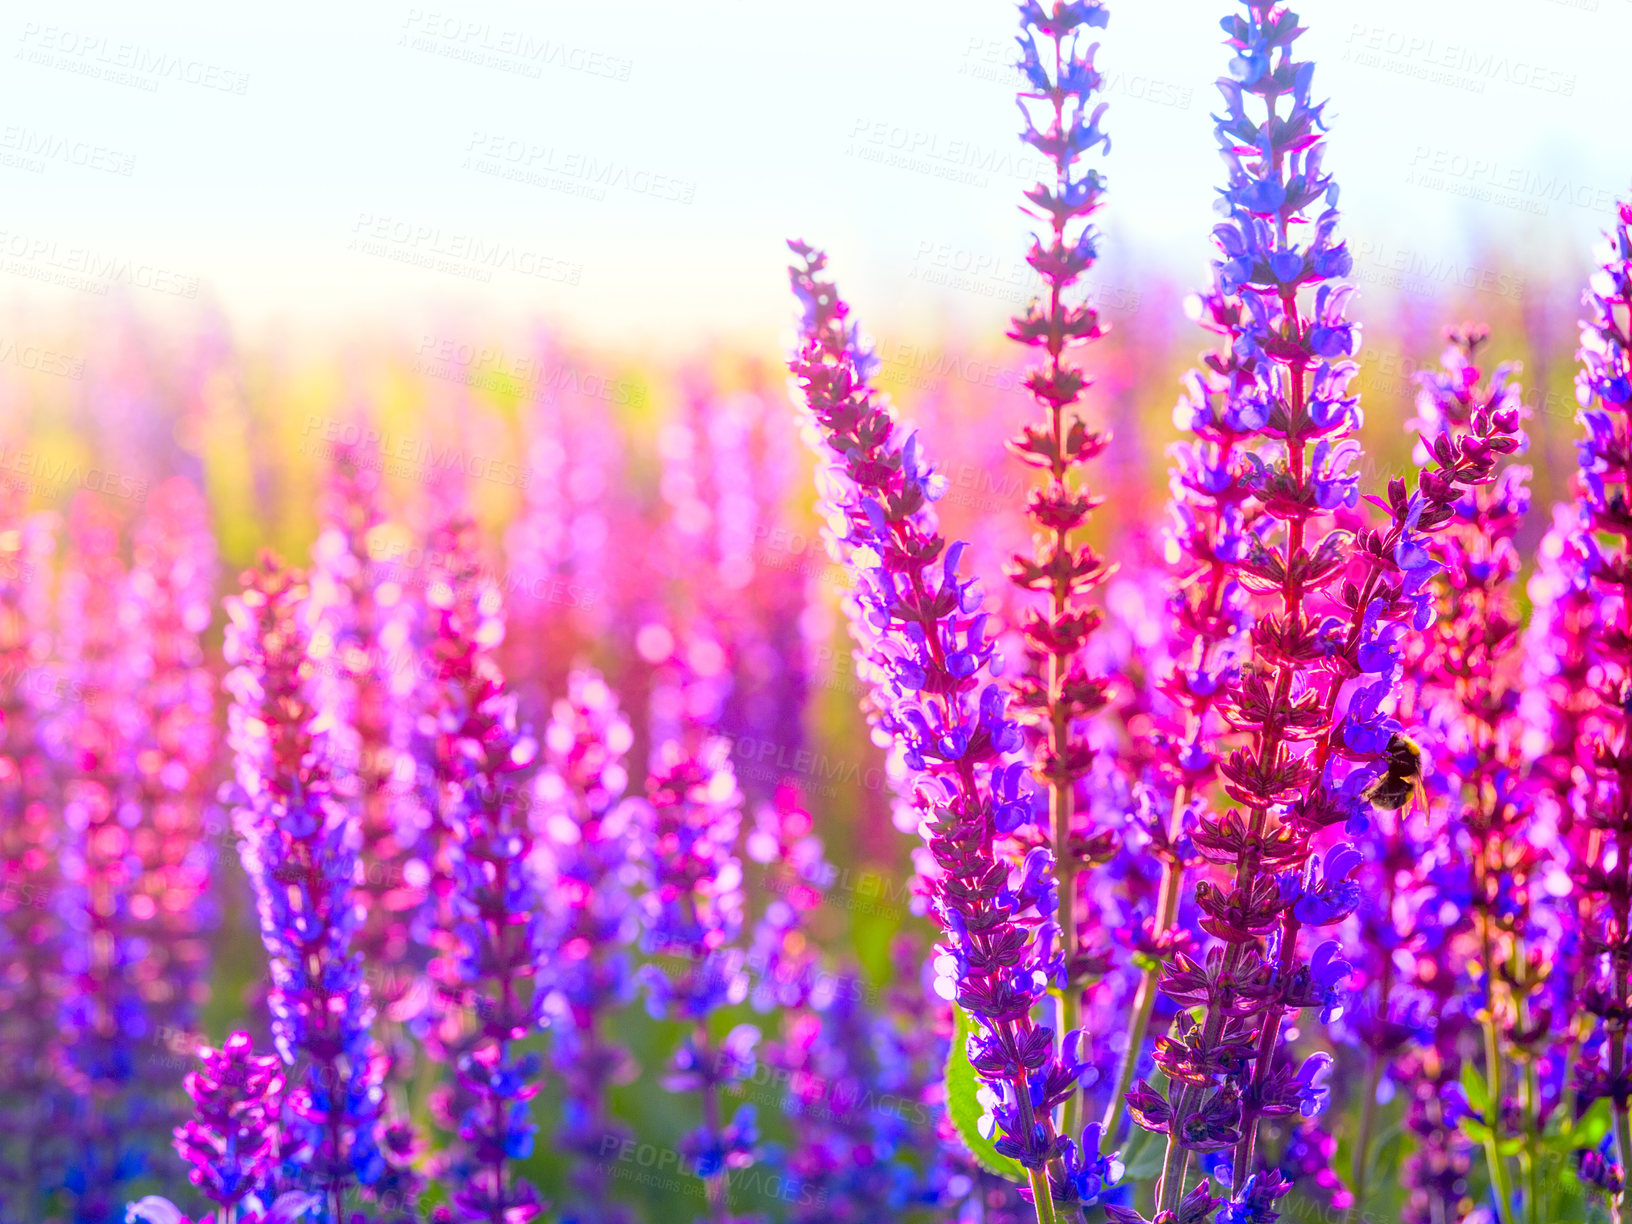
1166	763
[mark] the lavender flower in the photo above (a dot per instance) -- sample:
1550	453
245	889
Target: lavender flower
694	912
923	651
497	906
30	847
1278	388
595	876
1057	692
1603	877
299	849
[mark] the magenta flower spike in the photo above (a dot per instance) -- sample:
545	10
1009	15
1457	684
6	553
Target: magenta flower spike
172	592
31	839
233	1142
1057	692
1602	554
923	653
106	1015
1467	675
481	760
692	915
298	841
592	890
364	682
1307	711
366	674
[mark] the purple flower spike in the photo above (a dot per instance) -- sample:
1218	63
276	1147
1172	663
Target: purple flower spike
1058	691
911	614
30	851
693	912
233	1140
593	834
482	758
1329	610
1601	561
299	850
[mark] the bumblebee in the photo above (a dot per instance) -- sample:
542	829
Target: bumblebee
1404	777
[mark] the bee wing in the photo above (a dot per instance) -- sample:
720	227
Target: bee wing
1421	793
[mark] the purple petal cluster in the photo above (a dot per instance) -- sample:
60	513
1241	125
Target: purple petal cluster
497	908
923	649
1058	691
299	846
1330	610
592	892
692	916
232	1142
1603	875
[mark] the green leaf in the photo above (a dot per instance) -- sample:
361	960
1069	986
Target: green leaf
1475	1130
964	1109
1143	1155
1473	1084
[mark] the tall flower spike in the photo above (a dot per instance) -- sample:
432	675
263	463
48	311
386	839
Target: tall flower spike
1468	672
233	1139
693	911
30	850
497	903
172	596
1279	387
1603	555
366	686
923	650
106	1015
1057	692
592	831
299	851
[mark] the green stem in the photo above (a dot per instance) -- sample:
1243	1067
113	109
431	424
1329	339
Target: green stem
716	1189
1500	1178
1144	1006
1042	1197
1623	1145
1374	1069
1362	1143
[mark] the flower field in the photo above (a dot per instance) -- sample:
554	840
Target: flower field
1165	765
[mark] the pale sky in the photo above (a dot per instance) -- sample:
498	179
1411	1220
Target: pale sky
628	171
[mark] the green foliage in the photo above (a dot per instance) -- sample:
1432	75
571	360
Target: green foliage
963	1107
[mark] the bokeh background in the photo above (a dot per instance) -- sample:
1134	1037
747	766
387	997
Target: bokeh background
543	244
